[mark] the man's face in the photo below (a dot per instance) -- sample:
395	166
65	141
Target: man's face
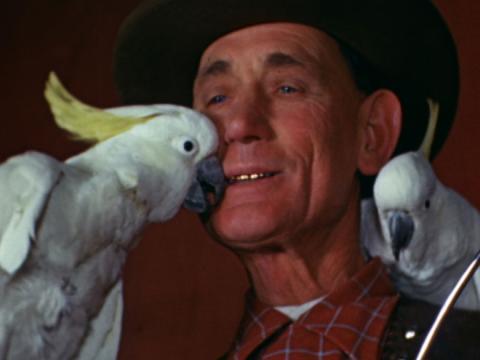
285	105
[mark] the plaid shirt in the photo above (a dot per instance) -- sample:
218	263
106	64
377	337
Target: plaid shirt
347	324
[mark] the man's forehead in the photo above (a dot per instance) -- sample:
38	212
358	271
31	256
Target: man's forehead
274	44
276	59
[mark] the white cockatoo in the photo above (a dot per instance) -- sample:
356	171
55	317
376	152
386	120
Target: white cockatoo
66	227
426	233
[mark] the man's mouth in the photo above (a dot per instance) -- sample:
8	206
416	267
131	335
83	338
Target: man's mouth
249	177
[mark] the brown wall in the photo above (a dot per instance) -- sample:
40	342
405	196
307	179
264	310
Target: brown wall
183	292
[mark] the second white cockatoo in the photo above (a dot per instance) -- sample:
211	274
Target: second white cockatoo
426	233
66	227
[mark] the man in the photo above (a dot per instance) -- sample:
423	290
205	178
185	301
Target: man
303	118
295	130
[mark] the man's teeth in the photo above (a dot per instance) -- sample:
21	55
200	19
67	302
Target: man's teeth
249	177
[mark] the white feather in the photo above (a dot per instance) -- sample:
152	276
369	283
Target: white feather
103	340
25	184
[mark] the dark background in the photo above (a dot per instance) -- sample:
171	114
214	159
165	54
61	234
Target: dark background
183	292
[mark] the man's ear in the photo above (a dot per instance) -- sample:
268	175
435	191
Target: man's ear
380	118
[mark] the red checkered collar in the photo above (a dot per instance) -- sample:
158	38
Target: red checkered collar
353	316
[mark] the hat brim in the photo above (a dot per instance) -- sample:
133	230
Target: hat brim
160	45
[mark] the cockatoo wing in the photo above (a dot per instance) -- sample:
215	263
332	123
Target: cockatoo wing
26	182
103	340
476	283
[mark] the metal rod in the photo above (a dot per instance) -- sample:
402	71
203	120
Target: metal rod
447	305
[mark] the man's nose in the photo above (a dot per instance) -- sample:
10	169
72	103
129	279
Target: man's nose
249	120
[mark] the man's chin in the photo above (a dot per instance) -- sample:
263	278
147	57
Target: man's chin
253	246
247	227
251	234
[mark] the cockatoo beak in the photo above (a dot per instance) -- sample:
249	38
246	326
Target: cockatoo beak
401	227
207	188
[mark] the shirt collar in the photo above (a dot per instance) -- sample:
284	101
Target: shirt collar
354	315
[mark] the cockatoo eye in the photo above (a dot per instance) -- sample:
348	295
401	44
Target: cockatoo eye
186	145
427	204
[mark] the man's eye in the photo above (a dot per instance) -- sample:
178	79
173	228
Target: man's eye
287	89
217	99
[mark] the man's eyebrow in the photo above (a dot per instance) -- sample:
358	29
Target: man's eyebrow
218	67
279	59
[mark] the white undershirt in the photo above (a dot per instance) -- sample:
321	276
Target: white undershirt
295	311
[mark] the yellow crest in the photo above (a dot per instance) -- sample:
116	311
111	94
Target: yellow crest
85	122
426	146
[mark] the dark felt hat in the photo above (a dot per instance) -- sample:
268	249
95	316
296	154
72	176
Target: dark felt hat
406	41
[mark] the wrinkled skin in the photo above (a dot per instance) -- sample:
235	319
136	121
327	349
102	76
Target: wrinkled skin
294	117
